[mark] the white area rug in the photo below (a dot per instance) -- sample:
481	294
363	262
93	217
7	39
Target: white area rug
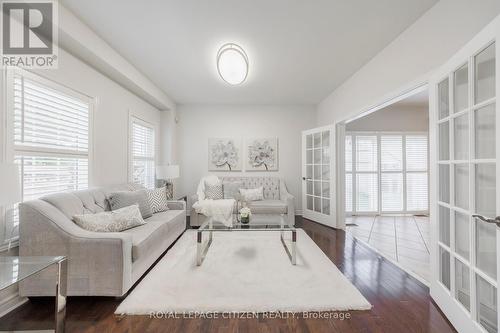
243	271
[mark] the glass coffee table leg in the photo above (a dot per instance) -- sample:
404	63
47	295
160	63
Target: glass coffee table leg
202	248
292	251
62	278
199	248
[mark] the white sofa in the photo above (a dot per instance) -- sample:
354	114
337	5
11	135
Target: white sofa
99	263
276	201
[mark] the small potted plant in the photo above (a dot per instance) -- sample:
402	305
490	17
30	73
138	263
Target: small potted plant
245	214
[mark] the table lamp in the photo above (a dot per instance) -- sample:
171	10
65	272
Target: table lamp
165	174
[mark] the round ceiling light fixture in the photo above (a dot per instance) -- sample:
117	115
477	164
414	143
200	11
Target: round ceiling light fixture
232	63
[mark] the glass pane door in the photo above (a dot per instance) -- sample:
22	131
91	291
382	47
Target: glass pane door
467	185
318	174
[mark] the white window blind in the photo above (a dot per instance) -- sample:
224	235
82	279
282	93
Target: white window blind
366	192
416	153
389	172
391	152
51	136
366	153
143	153
416	176
391	185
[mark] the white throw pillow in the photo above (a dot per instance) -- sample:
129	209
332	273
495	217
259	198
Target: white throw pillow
113	221
253	194
158	199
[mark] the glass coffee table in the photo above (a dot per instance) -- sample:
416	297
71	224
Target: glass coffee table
15	269
260	222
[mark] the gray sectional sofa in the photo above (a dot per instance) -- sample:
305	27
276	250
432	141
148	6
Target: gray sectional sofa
276	201
99	263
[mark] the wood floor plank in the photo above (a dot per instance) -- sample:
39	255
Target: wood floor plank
400	303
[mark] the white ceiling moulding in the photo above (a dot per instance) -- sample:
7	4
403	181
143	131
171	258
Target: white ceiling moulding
79	40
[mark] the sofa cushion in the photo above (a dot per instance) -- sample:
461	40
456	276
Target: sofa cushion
271	185
68	203
118	220
231	189
268	207
122	199
94	200
146	238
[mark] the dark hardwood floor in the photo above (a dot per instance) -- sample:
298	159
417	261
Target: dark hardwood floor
400	303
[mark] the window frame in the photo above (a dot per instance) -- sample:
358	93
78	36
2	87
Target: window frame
138	120
379	172
10	150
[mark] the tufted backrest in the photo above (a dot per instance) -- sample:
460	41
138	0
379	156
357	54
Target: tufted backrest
86	201
271	185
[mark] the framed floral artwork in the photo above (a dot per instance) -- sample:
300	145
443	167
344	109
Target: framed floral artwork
224	154
262	154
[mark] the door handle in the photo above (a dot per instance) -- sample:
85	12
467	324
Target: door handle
496	220
304	178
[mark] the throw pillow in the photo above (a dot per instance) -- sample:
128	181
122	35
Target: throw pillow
119	200
231	189
158	199
214	192
254	194
113	221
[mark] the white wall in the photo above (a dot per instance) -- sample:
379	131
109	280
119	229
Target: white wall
198	123
394	118
410	58
111	116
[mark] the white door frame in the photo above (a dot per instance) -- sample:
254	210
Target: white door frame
328	220
406	91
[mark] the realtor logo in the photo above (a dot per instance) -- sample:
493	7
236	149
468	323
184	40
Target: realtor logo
29	34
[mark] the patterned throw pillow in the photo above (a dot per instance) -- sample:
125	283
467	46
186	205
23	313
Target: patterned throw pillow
114	221
158	199
254	194
122	199
214	192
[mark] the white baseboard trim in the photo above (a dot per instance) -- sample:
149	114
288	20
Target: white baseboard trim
11	302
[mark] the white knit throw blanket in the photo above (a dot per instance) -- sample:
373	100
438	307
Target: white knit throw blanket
218	210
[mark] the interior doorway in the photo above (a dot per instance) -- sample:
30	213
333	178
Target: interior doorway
386	181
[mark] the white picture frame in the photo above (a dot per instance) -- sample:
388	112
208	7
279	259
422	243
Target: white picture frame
224	154
262	154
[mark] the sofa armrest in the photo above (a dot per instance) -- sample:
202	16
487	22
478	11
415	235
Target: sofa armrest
176	205
98	263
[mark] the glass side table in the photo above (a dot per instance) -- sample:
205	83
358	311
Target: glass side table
15	269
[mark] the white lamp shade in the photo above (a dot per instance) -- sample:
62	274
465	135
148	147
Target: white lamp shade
10	187
167	172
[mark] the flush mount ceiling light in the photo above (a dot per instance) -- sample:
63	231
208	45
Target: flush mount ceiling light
232	63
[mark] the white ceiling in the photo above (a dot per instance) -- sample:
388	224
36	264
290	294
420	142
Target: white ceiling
299	51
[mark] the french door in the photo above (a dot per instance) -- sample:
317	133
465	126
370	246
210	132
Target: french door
465	184
318	175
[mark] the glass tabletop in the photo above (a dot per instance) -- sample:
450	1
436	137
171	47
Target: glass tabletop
258	222
15	269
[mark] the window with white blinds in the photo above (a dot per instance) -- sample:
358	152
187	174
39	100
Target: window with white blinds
51	136
386	173
142	153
